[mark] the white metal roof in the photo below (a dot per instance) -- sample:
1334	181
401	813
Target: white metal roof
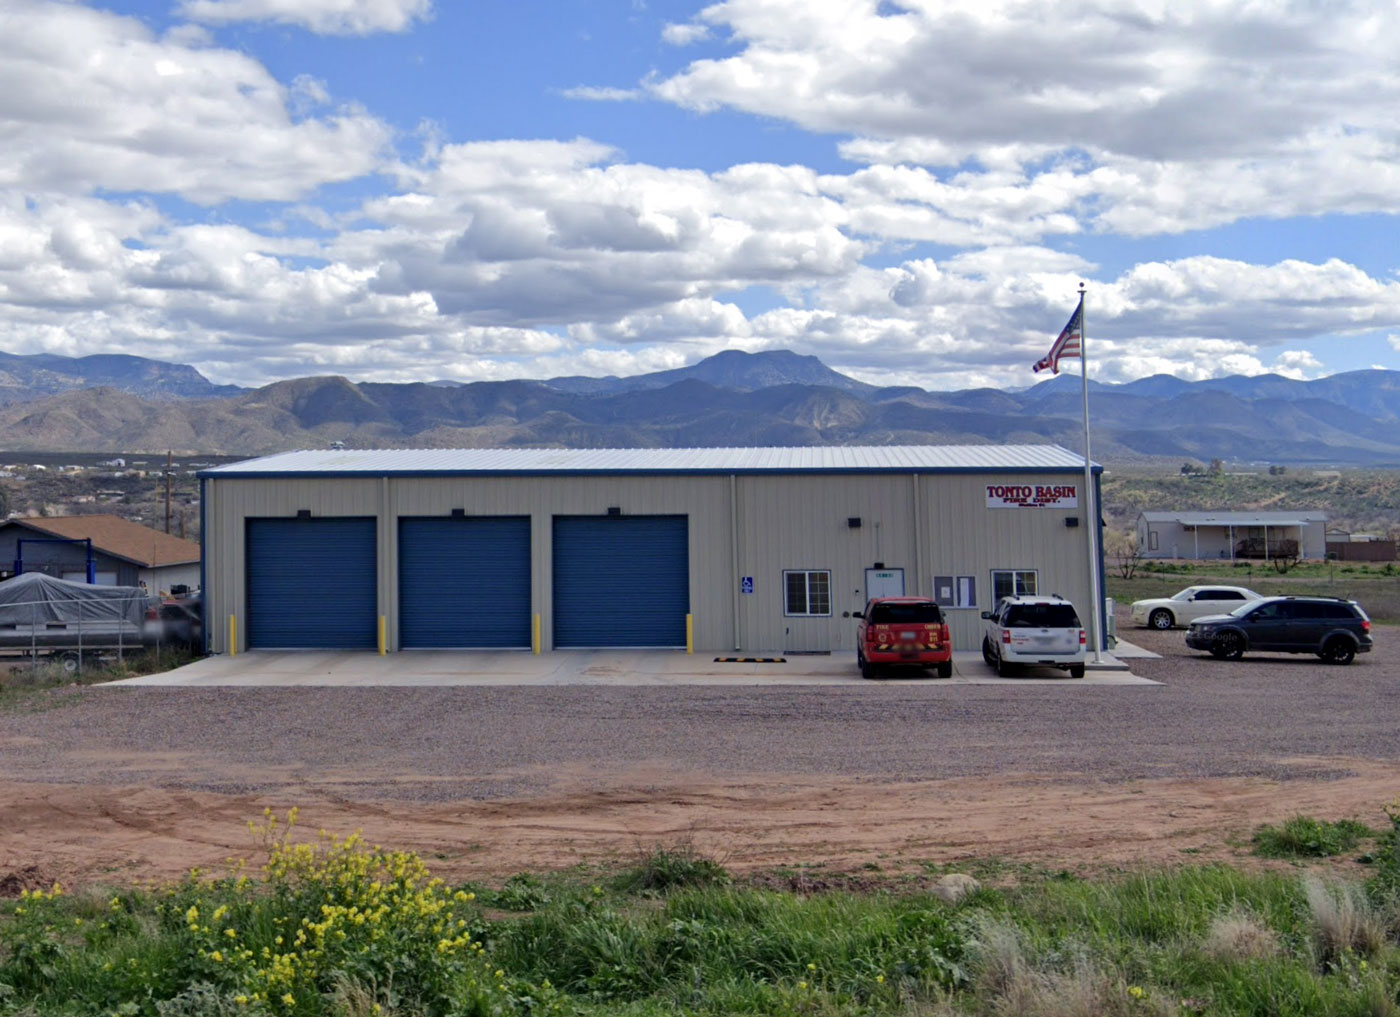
842	458
1236	518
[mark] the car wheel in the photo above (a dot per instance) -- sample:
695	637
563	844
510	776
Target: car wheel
945	669
71	662
1003	669
1227	646
867	670
987	651
1338	651
1076	670
1161	619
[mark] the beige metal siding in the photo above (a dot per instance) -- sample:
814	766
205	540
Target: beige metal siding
789	521
967	538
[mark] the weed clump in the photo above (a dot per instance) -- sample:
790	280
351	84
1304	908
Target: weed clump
1007	980
1239	935
1344	923
1305	837
667	869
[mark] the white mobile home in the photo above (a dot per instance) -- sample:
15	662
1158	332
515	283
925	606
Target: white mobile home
1232	535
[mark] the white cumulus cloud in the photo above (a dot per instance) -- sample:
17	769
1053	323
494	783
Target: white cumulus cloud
90	100
326	17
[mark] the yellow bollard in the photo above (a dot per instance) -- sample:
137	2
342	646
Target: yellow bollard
689	633
535	636
232	635
382	641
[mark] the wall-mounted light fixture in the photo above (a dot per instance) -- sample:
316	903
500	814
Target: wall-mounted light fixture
303	513
1071	521
614	510
458	513
853	522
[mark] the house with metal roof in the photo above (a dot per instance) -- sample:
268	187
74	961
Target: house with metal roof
749	550
103	549
1233	535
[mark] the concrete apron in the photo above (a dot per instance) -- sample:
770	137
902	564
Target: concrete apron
291	668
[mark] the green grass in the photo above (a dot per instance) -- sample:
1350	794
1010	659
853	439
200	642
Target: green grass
381	938
1305	837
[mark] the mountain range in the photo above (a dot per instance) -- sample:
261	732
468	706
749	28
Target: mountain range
53	403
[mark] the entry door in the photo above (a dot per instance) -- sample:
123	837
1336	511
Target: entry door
884	583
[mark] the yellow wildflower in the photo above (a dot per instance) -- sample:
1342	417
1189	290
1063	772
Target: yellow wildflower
1136	991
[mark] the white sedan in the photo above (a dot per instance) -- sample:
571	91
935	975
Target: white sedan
1191	603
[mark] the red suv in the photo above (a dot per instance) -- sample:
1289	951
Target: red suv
908	631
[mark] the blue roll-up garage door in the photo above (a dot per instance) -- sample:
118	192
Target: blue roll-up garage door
464	582
312	584
621	580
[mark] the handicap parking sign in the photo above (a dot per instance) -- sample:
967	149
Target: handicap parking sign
746	584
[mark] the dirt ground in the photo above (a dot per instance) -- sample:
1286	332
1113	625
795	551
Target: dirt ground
110	787
100	834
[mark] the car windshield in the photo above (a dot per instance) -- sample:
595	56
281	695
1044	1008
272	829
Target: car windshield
905	614
1050	616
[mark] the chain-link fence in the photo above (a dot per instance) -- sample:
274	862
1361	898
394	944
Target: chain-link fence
83	634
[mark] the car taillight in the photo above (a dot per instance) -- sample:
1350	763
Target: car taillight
1082	640
943	633
1366	625
1006	636
151	614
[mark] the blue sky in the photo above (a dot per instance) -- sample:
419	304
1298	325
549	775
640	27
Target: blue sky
404	190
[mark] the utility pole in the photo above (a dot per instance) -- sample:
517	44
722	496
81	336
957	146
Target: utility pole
168	456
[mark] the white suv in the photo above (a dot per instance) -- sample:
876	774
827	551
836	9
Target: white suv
1034	630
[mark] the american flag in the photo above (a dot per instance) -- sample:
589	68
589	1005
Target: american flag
1066	345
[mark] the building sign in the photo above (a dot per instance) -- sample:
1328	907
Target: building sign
746	584
1032	496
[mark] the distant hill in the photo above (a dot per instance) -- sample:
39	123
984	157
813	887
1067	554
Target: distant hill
23	378
733	398
729	369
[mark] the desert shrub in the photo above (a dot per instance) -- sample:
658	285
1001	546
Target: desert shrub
1239	935
323	913
1305	837
1007	978
1344	922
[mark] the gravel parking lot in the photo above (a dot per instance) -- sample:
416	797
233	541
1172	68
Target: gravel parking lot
605	752
1208	718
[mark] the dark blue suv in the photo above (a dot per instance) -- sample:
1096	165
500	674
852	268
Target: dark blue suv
1334	629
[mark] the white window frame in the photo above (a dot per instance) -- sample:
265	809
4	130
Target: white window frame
1017	579
807	591
958	583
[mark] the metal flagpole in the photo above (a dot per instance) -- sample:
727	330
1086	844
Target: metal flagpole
1090	507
